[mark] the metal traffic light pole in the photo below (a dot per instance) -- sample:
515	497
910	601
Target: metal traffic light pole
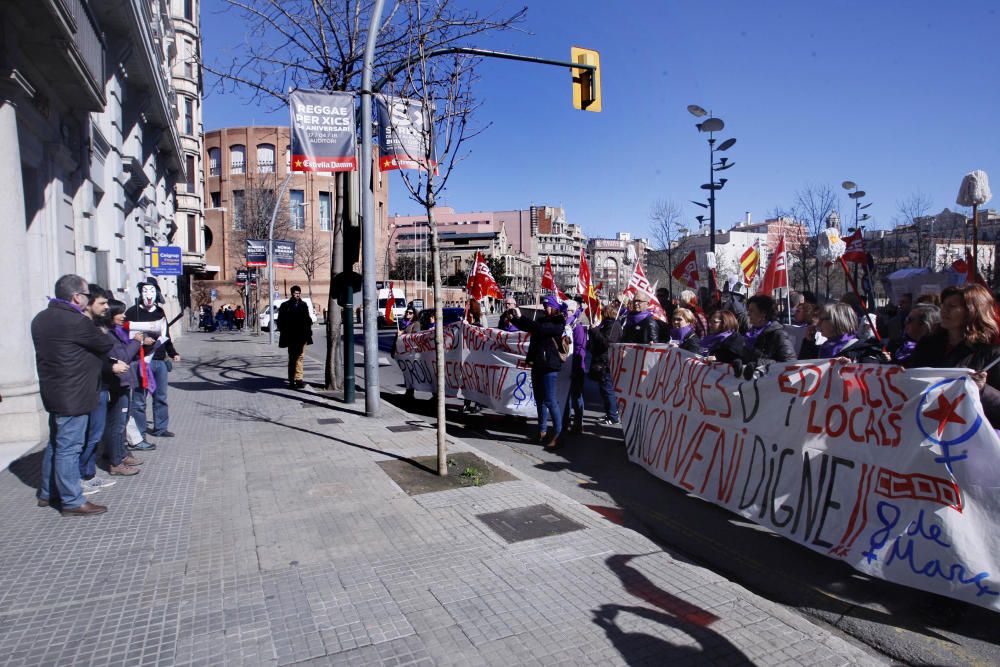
369	293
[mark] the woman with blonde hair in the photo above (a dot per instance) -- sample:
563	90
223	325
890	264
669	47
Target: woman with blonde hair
682	331
838	324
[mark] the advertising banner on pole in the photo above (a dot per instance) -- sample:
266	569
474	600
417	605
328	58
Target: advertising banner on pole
404	128
256	252
893	471
284	254
165	260
323	131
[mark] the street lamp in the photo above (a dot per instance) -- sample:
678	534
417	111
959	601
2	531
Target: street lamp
388	244
857	195
712	125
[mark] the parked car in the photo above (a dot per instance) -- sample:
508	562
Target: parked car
398	307
265	317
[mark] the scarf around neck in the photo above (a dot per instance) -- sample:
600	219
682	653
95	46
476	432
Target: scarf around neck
833	346
680	334
752	334
711	341
636	318
906	349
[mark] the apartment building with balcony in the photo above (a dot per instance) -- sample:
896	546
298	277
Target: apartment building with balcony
90	163
242	163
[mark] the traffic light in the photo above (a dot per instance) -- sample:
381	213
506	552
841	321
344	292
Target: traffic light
586	82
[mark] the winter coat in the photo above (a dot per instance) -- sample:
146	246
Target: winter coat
932	352
140	314
731	350
771	345
127	352
542	352
294	323
646	331
69	354
691	342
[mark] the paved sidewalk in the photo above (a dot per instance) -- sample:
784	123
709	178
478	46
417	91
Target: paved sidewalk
262	535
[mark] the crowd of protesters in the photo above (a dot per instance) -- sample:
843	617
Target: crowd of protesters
97	362
957	328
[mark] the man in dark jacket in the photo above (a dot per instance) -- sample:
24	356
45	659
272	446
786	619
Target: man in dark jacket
69	353
640	325
295	325
158	350
543	355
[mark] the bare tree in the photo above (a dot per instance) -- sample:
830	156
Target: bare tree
813	206
666	228
320	45
913	211
312	253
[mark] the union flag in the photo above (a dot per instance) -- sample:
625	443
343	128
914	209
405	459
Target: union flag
750	264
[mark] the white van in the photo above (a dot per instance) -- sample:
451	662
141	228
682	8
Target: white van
265	317
398	307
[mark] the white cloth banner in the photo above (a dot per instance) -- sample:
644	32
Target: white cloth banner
896	472
483	365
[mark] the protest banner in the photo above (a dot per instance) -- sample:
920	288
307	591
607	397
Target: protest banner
481	364
895	472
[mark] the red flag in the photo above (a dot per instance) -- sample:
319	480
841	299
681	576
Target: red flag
687	270
855	252
549	281
390	304
638	283
586	288
965	266
655	307
777	271
481	282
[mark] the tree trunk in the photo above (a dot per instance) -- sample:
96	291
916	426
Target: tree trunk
334	371
442	431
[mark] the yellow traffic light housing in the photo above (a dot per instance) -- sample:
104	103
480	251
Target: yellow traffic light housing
586	82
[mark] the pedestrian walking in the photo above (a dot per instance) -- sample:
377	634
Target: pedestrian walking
240	315
295	326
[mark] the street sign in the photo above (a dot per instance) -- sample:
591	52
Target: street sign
165	260
284	254
214	294
256	252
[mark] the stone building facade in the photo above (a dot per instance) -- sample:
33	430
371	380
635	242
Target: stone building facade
91	159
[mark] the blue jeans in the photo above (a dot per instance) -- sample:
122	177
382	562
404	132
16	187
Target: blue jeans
61	461
574	403
95	431
161	416
607	387
114	428
544	387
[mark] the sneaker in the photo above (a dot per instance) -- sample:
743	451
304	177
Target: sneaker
88	490
133	461
96	482
161	434
608	421
123	470
144	446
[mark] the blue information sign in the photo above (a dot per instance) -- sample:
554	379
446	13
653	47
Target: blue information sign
165	260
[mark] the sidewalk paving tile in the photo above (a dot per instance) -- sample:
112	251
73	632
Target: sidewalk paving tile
264	534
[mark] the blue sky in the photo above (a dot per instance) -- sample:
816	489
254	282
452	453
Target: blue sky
897	96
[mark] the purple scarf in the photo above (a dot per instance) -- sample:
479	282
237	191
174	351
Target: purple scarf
636	318
904	351
68	303
752	334
121	334
833	346
709	342
680	334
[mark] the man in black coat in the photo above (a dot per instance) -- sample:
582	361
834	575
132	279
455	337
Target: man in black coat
295	326
69	355
640	325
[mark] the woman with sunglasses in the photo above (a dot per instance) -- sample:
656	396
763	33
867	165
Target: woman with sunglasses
838	324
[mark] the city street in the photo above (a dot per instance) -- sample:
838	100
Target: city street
905	624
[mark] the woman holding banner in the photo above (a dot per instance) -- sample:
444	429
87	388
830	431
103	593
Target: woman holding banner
838	324
724	342
966	338
682	331
545	360
766	339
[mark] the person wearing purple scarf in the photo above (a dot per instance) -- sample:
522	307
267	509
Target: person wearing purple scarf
920	321
682	332
838	323
577	323
640	325
724	342
125	349
543	355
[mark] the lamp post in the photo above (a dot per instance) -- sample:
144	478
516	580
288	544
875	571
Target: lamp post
712	125
388	244
857	195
